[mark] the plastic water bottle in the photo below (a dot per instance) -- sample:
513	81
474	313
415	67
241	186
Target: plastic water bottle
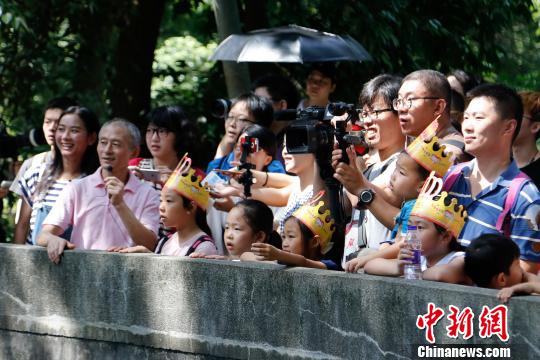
413	271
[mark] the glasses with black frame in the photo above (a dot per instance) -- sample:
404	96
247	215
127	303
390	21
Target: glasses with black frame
160	131
406	104
371	114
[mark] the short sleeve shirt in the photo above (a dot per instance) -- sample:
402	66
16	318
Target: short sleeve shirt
484	209
85	205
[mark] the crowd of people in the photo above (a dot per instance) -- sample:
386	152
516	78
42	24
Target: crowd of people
445	160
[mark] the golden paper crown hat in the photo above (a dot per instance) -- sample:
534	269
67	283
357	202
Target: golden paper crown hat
184	181
429	153
318	221
439	207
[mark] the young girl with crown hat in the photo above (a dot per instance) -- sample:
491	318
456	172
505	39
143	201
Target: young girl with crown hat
183	205
439	221
307	235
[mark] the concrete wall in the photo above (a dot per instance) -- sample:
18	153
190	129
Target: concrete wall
145	306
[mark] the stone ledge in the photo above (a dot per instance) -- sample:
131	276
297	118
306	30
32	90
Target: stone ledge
231	309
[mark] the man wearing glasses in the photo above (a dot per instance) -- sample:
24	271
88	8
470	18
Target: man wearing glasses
365	233
423	96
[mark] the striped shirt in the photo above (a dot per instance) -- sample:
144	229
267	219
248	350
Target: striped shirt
484	209
28	184
297	198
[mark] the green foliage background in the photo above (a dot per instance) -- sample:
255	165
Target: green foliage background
55	47
50	48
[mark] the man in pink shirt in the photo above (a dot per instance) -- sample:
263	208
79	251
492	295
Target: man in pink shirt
108	208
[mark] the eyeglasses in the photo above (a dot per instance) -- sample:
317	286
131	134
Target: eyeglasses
239	120
161	132
407	103
373	114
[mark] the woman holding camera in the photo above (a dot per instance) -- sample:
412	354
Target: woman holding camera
259	155
169	135
246	110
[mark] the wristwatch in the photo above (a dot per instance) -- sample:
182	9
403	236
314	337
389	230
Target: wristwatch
365	197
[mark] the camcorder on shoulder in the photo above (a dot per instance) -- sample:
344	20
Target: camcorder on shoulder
313	132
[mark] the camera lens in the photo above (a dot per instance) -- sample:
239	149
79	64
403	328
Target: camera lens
220	108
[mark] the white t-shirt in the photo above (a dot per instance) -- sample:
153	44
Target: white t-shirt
175	248
445	260
375	231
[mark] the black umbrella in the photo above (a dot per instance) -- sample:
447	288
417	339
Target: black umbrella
289	44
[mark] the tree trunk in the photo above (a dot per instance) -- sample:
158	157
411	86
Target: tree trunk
255	17
228	22
130	94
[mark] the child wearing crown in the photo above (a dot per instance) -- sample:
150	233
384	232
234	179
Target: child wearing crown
307	235
413	166
183	205
439	221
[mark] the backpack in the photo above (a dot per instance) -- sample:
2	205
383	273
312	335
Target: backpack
192	248
517	183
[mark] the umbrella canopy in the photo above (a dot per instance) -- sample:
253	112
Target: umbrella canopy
289	44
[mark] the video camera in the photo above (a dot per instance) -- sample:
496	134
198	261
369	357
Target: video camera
220	108
10	145
312	131
249	145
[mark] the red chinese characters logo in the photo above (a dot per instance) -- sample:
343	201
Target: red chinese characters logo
493	322
460	322
490	322
429	320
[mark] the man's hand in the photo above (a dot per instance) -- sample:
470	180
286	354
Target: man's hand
56	246
265	252
349	175
115	189
337	153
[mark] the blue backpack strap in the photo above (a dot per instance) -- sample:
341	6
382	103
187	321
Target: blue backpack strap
503	221
453	175
199	241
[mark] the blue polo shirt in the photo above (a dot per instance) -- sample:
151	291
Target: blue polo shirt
485	207
224	163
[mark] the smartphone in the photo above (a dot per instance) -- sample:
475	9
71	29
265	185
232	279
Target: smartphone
253	142
150	175
211	180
